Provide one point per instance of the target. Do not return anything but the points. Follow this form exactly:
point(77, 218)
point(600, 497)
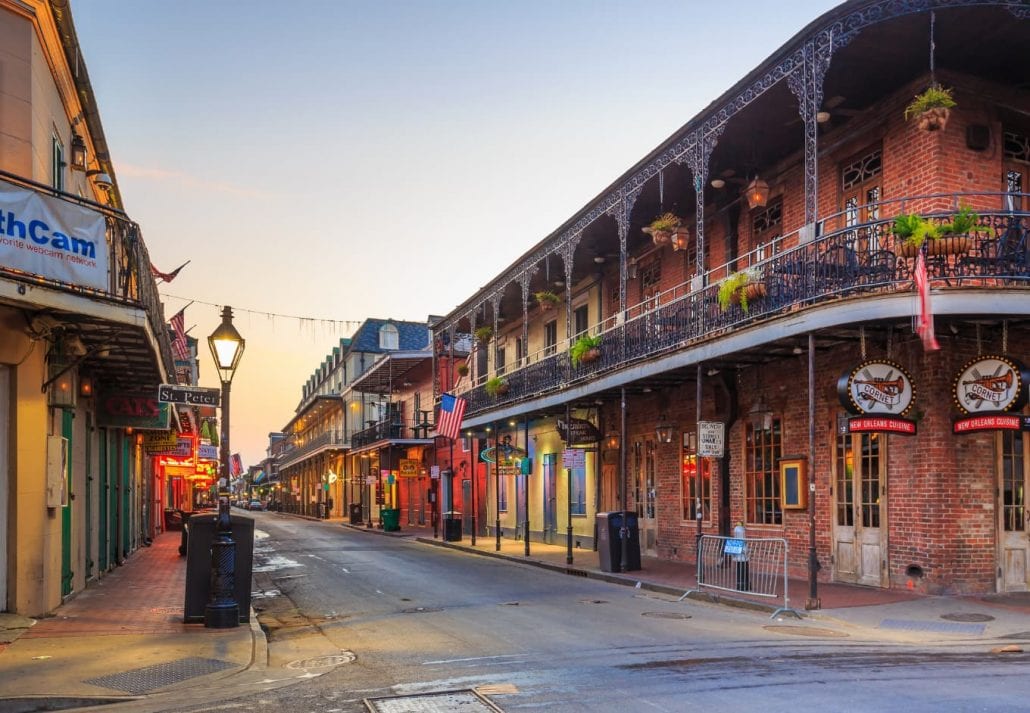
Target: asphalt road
point(389, 618)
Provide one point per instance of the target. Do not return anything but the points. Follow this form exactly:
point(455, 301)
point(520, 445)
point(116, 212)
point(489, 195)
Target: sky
point(324, 162)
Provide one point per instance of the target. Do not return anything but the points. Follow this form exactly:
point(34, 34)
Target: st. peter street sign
point(175, 394)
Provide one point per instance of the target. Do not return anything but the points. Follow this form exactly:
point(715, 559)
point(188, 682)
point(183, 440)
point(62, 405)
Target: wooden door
point(1013, 513)
point(550, 497)
point(646, 496)
point(861, 194)
point(860, 509)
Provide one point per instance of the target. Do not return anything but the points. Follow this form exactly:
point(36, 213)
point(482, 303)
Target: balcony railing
point(394, 429)
point(848, 261)
point(296, 453)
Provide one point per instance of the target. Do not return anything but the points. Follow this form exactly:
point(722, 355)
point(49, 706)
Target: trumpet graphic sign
point(990, 384)
point(876, 388)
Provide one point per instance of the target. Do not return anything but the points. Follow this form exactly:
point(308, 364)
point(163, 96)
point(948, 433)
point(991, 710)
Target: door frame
point(882, 578)
point(1022, 535)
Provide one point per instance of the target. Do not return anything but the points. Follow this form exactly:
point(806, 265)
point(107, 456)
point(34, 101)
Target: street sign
point(176, 394)
point(574, 458)
point(711, 439)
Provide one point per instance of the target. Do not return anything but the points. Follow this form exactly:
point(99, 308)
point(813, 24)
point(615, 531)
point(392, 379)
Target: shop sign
point(187, 425)
point(408, 467)
point(132, 410)
point(507, 470)
point(712, 439)
point(876, 387)
point(574, 458)
point(156, 441)
point(991, 384)
point(991, 422)
point(207, 452)
point(882, 424)
point(578, 431)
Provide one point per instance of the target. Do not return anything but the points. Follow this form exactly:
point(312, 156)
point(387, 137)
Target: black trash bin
point(184, 538)
point(452, 526)
point(201, 528)
point(609, 541)
point(356, 517)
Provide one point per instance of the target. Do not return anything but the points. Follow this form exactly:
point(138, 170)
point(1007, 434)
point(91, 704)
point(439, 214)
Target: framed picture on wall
point(793, 483)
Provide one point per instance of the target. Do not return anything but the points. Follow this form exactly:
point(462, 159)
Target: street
point(402, 618)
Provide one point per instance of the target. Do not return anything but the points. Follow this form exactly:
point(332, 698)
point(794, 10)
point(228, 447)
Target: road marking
point(345, 570)
point(474, 658)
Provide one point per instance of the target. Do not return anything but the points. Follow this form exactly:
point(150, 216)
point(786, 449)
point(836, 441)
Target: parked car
point(255, 505)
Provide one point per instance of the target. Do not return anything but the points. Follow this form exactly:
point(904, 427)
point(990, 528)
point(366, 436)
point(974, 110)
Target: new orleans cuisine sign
point(52, 238)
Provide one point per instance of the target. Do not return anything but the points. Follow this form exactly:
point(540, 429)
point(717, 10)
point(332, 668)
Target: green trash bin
point(391, 518)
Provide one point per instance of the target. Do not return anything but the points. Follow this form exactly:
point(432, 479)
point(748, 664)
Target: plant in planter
point(496, 387)
point(931, 109)
point(740, 288)
point(463, 369)
point(547, 300)
point(911, 231)
point(585, 349)
point(661, 228)
point(953, 238)
point(483, 334)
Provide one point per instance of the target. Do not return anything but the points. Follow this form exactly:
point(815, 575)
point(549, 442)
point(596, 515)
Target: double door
point(860, 509)
point(646, 496)
point(1013, 512)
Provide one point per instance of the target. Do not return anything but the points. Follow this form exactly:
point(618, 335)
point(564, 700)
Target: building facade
point(83, 344)
point(727, 331)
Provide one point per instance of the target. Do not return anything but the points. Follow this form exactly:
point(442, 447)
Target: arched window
point(389, 337)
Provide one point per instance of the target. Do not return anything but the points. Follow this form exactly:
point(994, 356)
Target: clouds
point(188, 182)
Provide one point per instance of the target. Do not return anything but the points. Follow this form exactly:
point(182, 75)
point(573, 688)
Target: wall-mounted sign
point(991, 384)
point(187, 423)
point(407, 467)
point(574, 458)
point(876, 387)
point(175, 394)
point(207, 452)
point(578, 432)
point(156, 441)
point(712, 442)
point(130, 410)
point(881, 424)
point(991, 422)
point(183, 448)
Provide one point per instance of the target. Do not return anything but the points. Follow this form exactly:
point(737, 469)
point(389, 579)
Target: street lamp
point(222, 610)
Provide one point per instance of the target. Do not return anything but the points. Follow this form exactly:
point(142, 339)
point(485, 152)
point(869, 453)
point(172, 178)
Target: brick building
point(783, 307)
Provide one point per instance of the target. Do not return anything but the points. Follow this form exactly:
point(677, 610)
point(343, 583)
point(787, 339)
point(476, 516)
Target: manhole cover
point(323, 661)
point(967, 616)
point(593, 601)
point(441, 702)
point(420, 610)
point(666, 614)
point(805, 631)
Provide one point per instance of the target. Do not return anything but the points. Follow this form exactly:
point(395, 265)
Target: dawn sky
point(344, 160)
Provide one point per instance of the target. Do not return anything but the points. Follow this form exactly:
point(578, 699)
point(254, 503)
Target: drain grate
point(665, 614)
point(941, 627)
point(440, 702)
point(967, 616)
point(150, 678)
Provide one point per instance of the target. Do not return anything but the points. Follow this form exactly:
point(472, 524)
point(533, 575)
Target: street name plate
point(176, 394)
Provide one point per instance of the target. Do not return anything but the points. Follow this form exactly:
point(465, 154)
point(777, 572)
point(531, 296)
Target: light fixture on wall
point(760, 415)
point(86, 386)
point(680, 238)
point(612, 441)
point(61, 385)
point(78, 154)
point(664, 430)
point(757, 193)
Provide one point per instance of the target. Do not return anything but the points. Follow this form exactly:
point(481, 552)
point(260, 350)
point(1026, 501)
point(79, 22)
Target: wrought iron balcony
point(327, 440)
point(392, 430)
point(851, 261)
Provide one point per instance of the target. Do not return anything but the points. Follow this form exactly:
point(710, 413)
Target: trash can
point(391, 518)
point(201, 529)
point(452, 526)
point(356, 518)
point(609, 541)
point(184, 539)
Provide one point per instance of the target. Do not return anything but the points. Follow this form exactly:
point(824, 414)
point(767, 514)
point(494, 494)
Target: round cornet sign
point(990, 384)
point(877, 387)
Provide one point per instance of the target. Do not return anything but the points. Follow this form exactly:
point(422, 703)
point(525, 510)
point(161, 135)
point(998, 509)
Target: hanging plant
point(496, 387)
point(585, 349)
point(931, 109)
point(740, 288)
point(661, 228)
point(463, 369)
point(547, 300)
point(483, 334)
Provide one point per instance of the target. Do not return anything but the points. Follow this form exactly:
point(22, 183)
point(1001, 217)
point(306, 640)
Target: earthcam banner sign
point(52, 238)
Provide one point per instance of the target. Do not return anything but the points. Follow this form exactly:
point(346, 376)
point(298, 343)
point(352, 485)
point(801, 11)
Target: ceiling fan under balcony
point(833, 111)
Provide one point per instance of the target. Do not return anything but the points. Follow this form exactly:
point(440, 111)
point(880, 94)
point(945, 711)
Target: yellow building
point(83, 343)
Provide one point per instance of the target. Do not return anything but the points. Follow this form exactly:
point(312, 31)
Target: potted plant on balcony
point(931, 109)
point(661, 228)
point(463, 369)
point(496, 386)
point(585, 349)
point(911, 231)
point(953, 238)
point(547, 300)
point(483, 334)
point(742, 287)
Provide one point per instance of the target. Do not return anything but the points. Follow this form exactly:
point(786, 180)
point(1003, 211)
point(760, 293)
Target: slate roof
point(412, 336)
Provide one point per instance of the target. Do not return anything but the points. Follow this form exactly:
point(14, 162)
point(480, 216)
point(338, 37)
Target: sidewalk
point(892, 612)
point(123, 637)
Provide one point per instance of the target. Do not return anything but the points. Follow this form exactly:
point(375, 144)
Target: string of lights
point(335, 324)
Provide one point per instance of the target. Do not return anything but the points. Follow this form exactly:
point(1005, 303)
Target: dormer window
point(389, 337)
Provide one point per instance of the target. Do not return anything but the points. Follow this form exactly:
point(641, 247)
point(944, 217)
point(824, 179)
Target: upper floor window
point(860, 181)
point(1017, 146)
point(520, 351)
point(551, 337)
point(579, 320)
point(501, 360)
point(389, 337)
point(57, 162)
point(766, 227)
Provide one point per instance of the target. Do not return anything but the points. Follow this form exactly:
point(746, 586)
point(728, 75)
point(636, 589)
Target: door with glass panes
point(646, 495)
point(860, 509)
point(1013, 512)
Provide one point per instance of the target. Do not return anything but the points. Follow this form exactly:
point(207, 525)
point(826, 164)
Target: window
point(57, 163)
point(389, 337)
point(520, 351)
point(766, 227)
point(502, 490)
point(650, 282)
point(861, 195)
point(579, 491)
point(762, 474)
point(579, 320)
point(1017, 156)
point(499, 367)
point(697, 482)
point(551, 337)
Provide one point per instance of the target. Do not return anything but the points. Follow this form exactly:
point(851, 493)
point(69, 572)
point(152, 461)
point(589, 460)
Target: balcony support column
point(806, 83)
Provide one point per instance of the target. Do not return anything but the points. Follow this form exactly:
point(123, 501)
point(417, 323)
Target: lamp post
point(222, 610)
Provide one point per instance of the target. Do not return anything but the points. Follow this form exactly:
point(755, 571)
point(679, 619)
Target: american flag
point(924, 322)
point(452, 410)
point(236, 465)
point(166, 276)
point(179, 345)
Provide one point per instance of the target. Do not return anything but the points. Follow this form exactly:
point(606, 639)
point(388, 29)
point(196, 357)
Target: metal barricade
point(744, 565)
